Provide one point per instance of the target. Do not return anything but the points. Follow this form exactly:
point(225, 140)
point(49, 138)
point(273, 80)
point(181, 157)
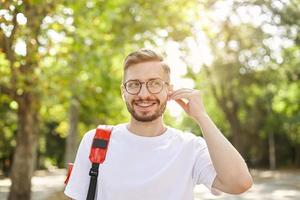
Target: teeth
point(145, 104)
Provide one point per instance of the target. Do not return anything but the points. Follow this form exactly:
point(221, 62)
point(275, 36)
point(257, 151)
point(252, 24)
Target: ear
point(170, 91)
point(122, 90)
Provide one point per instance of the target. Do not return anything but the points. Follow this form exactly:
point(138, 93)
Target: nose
point(144, 91)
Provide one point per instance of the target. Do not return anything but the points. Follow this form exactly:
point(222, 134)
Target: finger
point(189, 92)
point(186, 95)
point(186, 91)
point(181, 90)
point(182, 104)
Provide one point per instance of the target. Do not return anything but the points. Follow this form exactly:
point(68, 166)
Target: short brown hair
point(145, 55)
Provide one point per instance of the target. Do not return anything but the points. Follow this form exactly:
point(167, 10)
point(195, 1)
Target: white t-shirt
point(165, 167)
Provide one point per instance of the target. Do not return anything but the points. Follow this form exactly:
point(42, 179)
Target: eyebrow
point(145, 80)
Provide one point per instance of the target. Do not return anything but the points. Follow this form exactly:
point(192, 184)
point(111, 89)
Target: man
point(147, 160)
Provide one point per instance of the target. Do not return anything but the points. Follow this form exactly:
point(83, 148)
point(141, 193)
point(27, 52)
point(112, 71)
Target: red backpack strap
point(100, 144)
point(97, 156)
point(70, 168)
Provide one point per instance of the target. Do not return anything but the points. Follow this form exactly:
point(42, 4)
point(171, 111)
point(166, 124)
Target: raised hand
point(190, 100)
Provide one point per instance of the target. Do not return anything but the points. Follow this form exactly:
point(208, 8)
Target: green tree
point(245, 74)
point(21, 25)
point(74, 52)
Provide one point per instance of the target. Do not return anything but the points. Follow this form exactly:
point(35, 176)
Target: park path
point(268, 185)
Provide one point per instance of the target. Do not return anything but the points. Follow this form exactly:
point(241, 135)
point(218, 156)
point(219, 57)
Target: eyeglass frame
point(146, 84)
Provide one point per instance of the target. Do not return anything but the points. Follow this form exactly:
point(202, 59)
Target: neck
point(147, 129)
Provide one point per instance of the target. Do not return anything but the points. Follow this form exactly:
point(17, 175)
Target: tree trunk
point(71, 144)
point(230, 106)
point(230, 109)
point(272, 155)
point(297, 155)
point(236, 134)
point(25, 151)
point(24, 89)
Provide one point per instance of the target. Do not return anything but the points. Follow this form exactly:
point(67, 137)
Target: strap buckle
point(94, 170)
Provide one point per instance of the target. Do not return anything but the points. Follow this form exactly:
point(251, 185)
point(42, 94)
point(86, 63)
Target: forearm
point(230, 167)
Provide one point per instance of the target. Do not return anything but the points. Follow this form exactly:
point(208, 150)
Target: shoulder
point(87, 139)
point(89, 135)
point(188, 137)
point(184, 135)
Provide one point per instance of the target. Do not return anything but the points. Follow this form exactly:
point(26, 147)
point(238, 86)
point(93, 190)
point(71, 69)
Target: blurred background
point(61, 69)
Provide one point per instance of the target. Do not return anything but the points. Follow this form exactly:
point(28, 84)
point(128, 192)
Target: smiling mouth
point(145, 104)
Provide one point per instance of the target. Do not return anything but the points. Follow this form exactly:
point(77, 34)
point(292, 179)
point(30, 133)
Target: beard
point(144, 116)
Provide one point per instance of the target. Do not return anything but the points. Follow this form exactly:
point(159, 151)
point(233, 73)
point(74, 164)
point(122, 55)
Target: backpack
point(97, 156)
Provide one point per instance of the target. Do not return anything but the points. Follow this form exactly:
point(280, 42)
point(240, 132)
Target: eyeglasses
point(154, 86)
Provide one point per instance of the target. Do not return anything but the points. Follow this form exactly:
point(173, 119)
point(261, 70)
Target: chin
point(144, 118)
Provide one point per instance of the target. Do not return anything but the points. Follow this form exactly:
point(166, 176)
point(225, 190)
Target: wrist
point(202, 117)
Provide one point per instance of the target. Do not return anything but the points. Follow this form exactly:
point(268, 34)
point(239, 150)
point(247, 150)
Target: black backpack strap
point(93, 181)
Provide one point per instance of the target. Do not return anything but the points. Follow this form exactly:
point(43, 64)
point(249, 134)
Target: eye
point(133, 84)
point(155, 83)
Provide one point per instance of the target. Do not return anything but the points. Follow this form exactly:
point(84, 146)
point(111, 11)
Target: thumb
point(182, 104)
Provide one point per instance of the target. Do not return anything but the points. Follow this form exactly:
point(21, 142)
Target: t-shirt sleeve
point(77, 186)
point(203, 169)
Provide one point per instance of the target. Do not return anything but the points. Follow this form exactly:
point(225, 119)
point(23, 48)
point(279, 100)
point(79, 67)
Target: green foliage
point(82, 44)
point(82, 47)
point(8, 128)
point(255, 87)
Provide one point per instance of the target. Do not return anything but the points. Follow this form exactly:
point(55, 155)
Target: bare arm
point(232, 172)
